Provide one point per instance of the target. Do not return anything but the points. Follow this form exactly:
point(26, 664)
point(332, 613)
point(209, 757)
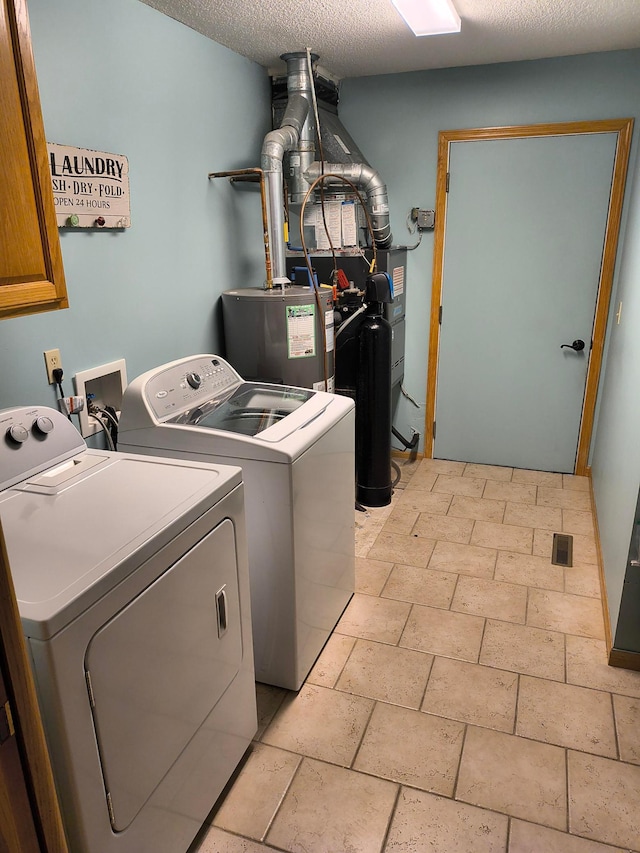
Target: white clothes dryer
point(296, 450)
point(132, 583)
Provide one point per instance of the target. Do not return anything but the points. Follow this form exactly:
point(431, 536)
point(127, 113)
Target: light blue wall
point(616, 450)
point(395, 120)
point(120, 77)
point(411, 109)
point(123, 78)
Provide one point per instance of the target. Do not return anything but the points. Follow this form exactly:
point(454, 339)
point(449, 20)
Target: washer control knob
point(43, 425)
point(17, 434)
point(194, 380)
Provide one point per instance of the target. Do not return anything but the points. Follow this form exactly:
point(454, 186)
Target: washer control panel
point(189, 383)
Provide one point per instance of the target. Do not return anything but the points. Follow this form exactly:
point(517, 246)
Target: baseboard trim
point(603, 589)
point(624, 659)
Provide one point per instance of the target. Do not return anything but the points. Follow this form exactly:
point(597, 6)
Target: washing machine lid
point(199, 406)
point(250, 410)
point(76, 530)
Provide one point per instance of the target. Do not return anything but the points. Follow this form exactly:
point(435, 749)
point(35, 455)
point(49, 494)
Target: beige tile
point(522, 493)
point(604, 799)
point(528, 515)
point(577, 521)
point(463, 559)
point(459, 485)
point(421, 481)
point(584, 547)
point(504, 537)
point(577, 484)
point(387, 673)
point(330, 664)
point(444, 527)
point(488, 472)
point(399, 548)
point(441, 632)
point(471, 693)
point(529, 570)
point(565, 498)
point(422, 501)
point(587, 666)
point(268, 700)
point(411, 747)
point(496, 599)
point(537, 478)
point(371, 575)
point(330, 808)
point(368, 525)
point(250, 805)
point(566, 715)
point(370, 618)
point(627, 711)
point(420, 586)
point(442, 466)
point(408, 468)
point(583, 580)
point(218, 841)
point(481, 509)
point(320, 723)
point(523, 649)
point(425, 821)
point(559, 611)
point(509, 774)
point(364, 539)
point(543, 543)
point(400, 521)
point(532, 838)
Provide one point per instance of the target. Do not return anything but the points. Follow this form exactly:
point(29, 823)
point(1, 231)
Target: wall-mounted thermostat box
point(105, 386)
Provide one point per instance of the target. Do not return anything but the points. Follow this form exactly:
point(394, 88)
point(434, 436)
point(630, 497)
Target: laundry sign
point(90, 188)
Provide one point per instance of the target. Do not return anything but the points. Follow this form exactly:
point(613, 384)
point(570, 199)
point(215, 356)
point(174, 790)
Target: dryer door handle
point(221, 611)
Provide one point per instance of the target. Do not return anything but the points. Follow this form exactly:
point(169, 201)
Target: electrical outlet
point(52, 362)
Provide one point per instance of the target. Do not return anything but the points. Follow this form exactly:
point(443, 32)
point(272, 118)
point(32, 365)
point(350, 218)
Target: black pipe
point(373, 398)
point(408, 445)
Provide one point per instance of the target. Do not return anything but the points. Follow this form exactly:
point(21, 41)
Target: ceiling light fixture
point(429, 17)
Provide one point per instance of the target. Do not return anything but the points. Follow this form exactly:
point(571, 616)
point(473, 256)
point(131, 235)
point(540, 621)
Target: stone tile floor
point(463, 703)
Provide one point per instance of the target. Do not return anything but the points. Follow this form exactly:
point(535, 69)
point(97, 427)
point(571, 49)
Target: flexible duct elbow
point(369, 181)
point(274, 146)
point(286, 137)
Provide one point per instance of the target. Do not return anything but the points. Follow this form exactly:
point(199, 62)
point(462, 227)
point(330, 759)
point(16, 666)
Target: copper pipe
point(238, 174)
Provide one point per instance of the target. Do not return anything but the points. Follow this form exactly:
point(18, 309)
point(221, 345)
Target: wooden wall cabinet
point(31, 272)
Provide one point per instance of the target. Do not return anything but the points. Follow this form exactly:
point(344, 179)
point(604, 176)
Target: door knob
point(578, 345)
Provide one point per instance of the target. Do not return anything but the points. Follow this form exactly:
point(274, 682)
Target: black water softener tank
point(373, 397)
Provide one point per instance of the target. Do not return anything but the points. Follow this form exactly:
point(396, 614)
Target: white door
point(525, 230)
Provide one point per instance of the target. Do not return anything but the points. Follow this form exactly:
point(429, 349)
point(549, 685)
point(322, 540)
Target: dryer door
point(159, 667)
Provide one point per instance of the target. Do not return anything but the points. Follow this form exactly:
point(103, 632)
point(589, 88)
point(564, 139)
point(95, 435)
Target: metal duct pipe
point(299, 83)
point(297, 132)
point(369, 181)
point(273, 148)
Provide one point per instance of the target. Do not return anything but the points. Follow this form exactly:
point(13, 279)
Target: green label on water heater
point(301, 331)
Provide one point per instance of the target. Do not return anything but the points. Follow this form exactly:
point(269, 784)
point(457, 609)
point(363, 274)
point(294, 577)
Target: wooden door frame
point(623, 128)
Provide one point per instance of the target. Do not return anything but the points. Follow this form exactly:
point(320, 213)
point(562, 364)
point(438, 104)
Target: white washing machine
point(132, 584)
point(296, 450)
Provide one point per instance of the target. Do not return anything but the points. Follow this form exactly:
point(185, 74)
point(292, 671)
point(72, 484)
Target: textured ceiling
point(356, 38)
